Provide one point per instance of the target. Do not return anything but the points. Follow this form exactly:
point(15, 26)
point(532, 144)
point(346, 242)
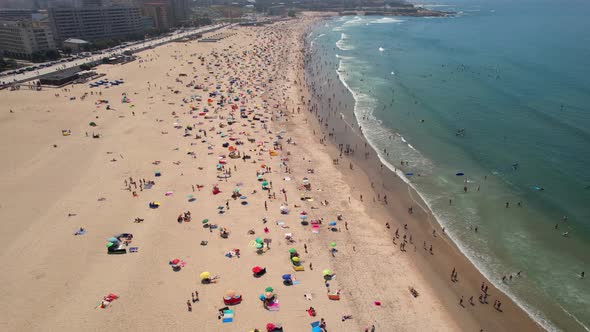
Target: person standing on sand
point(189, 306)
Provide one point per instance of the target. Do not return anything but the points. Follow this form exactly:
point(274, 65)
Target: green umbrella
point(269, 289)
point(333, 244)
point(110, 244)
point(258, 245)
point(327, 272)
point(258, 240)
point(265, 183)
point(292, 250)
point(92, 124)
point(205, 221)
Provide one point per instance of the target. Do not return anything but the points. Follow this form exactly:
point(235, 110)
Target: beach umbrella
point(269, 289)
point(286, 276)
point(230, 293)
point(204, 275)
point(327, 272)
point(270, 326)
point(258, 240)
point(110, 244)
point(295, 259)
point(292, 250)
point(256, 269)
point(175, 261)
point(258, 245)
point(113, 239)
point(205, 221)
point(333, 244)
point(265, 183)
point(92, 124)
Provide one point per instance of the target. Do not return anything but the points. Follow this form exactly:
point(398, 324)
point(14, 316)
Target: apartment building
point(95, 22)
point(20, 39)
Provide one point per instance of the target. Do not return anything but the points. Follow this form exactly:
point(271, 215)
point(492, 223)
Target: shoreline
point(430, 221)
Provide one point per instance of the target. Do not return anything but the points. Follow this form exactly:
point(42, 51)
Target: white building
point(20, 39)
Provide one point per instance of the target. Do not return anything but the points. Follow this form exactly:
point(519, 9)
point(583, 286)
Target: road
point(30, 75)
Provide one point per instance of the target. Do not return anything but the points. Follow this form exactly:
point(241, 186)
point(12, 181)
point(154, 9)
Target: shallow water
point(515, 77)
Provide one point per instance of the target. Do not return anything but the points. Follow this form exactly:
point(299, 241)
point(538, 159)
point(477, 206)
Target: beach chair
point(298, 268)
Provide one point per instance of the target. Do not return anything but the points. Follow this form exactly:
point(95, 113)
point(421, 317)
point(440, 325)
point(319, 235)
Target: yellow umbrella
point(295, 259)
point(205, 275)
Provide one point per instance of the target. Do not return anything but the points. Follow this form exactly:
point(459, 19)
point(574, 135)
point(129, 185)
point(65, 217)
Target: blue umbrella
point(286, 276)
point(113, 239)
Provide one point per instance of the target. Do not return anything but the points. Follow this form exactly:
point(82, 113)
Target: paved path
point(30, 75)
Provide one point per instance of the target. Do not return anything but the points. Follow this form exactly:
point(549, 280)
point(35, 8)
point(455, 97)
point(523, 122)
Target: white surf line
point(574, 317)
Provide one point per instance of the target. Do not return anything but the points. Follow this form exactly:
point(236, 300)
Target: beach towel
point(228, 316)
point(315, 327)
point(274, 306)
point(133, 249)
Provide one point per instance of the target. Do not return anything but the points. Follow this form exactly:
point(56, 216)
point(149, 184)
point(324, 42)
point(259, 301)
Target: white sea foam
point(343, 44)
point(386, 20)
point(357, 20)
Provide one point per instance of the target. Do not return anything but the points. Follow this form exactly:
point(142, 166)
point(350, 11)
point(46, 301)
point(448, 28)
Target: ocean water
point(515, 76)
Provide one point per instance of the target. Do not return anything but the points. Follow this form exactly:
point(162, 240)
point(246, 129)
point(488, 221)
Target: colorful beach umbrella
point(295, 259)
point(269, 289)
point(204, 275)
point(286, 276)
point(110, 244)
point(332, 244)
point(327, 272)
point(256, 269)
point(205, 221)
point(292, 250)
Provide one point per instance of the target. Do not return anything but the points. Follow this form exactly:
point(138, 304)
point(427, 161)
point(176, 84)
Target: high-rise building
point(16, 14)
point(94, 23)
point(166, 13)
point(159, 13)
point(21, 39)
point(180, 11)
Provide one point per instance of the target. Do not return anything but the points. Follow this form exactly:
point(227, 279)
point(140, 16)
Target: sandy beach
point(225, 131)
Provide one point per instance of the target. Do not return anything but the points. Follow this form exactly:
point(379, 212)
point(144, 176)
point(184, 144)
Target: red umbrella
point(256, 269)
point(270, 326)
point(175, 261)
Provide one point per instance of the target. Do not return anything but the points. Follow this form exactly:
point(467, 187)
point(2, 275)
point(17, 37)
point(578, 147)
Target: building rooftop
point(75, 41)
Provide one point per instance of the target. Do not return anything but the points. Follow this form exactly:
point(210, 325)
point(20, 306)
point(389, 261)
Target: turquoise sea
point(501, 93)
